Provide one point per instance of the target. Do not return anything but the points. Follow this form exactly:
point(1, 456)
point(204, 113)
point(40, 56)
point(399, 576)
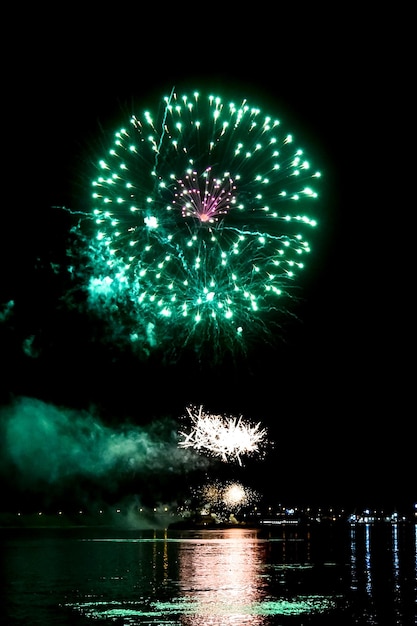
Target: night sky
point(335, 389)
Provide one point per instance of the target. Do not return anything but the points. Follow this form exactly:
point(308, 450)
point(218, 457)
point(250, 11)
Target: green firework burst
point(202, 217)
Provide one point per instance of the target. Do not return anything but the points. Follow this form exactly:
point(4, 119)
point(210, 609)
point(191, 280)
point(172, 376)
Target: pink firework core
point(205, 198)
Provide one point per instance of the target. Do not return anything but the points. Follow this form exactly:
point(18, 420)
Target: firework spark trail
point(225, 437)
point(200, 221)
point(168, 104)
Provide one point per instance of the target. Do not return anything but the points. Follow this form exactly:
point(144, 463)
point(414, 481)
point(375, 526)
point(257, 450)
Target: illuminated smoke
point(51, 450)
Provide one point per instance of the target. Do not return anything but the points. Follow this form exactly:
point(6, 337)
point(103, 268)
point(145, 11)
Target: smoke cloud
point(50, 447)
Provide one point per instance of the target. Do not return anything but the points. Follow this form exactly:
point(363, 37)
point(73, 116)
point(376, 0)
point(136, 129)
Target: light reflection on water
point(223, 579)
point(226, 582)
point(380, 567)
point(358, 575)
point(415, 573)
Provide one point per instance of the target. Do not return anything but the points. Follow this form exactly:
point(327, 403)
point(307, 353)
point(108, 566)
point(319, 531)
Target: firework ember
point(224, 498)
point(222, 436)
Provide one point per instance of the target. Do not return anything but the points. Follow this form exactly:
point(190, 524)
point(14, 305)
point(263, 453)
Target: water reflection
point(233, 578)
point(211, 578)
point(379, 562)
point(415, 572)
point(396, 572)
point(224, 579)
point(368, 561)
point(353, 559)
point(337, 575)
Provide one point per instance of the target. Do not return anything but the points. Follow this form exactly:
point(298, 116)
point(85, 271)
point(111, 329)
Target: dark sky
point(336, 392)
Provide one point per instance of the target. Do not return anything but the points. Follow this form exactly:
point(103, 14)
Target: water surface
point(323, 575)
